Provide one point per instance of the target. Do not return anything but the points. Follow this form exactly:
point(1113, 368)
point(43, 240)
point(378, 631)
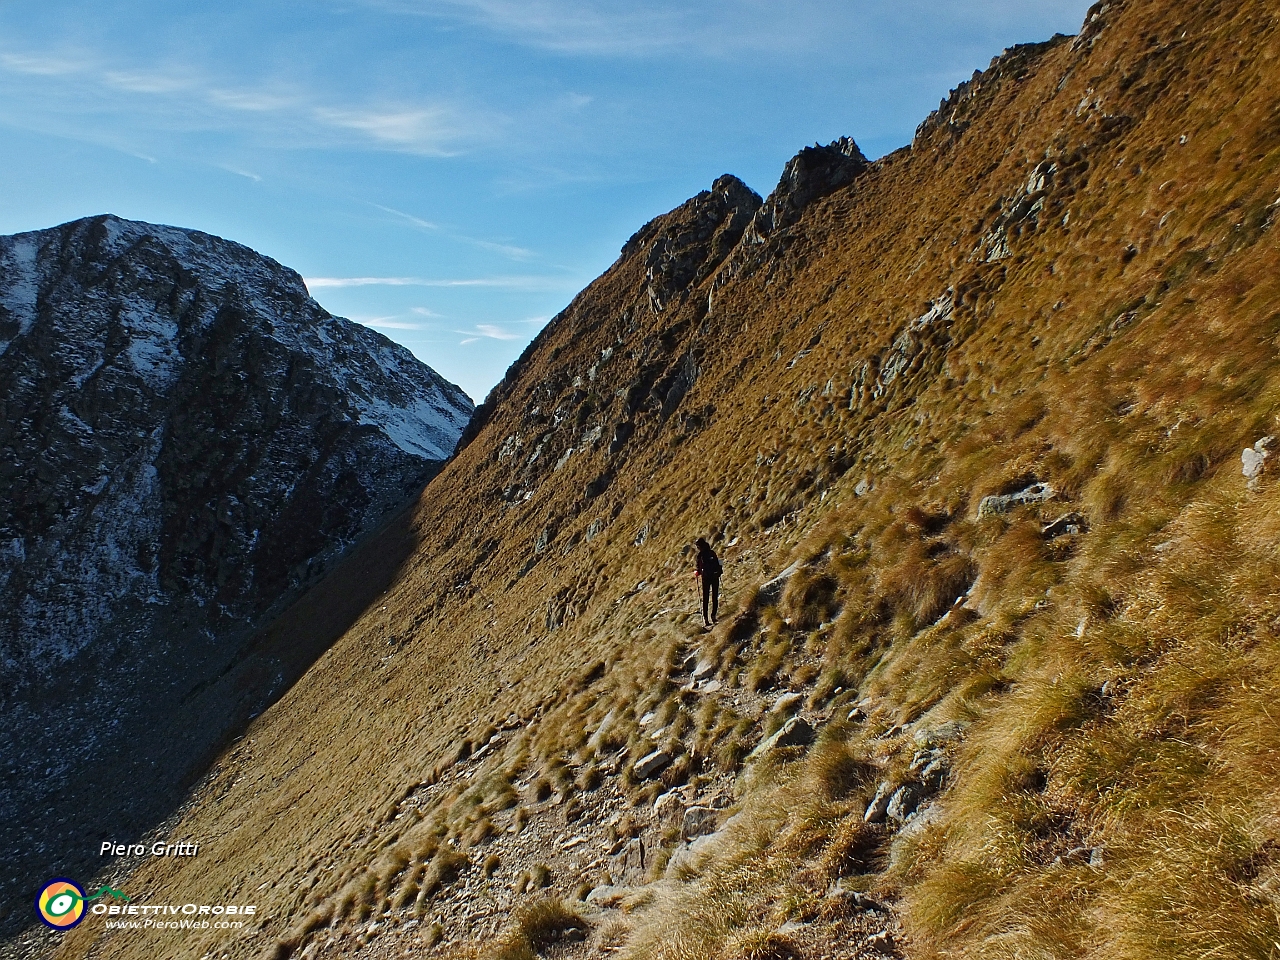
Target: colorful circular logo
point(60, 903)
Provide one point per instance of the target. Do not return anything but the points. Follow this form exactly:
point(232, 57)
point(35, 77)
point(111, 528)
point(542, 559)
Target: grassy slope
point(1125, 358)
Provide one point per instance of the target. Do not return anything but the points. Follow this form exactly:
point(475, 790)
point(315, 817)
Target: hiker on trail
point(708, 569)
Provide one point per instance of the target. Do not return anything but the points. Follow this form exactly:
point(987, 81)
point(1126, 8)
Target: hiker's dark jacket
point(708, 564)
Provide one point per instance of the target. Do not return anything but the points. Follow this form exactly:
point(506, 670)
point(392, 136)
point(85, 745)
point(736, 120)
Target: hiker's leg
point(715, 599)
point(706, 596)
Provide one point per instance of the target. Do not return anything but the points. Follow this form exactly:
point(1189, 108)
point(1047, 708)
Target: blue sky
point(452, 172)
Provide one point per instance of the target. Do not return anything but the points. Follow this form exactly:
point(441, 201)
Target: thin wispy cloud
point(510, 251)
point(545, 176)
point(419, 130)
point(507, 283)
point(168, 99)
point(506, 249)
point(389, 324)
point(248, 175)
point(572, 26)
point(488, 331)
point(147, 81)
point(252, 101)
point(610, 28)
point(407, 217)
point(494, 332)
point(724, 30)
point(316, 283)
point(41, 65)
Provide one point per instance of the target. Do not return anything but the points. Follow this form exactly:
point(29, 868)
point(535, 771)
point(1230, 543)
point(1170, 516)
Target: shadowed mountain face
point(186, 434)
point(188, 440)
point(999, 618)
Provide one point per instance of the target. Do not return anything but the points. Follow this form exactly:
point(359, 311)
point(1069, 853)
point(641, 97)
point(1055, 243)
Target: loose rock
point(628, 865)
point(933, 776)
point(607, 896)
point(652, 764)
point(903, 803)
point(1067, 524)
point(879, 803)
point(1254, 459)
point(771, 590)
point(785, 702)
point(698, 822)
point(796, 732)
point(1003, 503)
point(947, 732)
point(881, 942)
point(669, 804)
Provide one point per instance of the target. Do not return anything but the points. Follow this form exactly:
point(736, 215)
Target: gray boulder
point(879, 804)
point(786, 702)
point(652, 764)
point(607, 896)
point(628, 864)
point(771, 590)
point(1003, 503)
point(669, 806)
point(796, 732)
point(698, 822)
point(1253, 460)
point(687, 856)
point(903, 803)
point(1066, 525)
point(933, 776)
point(948, 732)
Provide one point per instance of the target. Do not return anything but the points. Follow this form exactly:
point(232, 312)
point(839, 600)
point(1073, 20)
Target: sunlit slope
point(1068, 280)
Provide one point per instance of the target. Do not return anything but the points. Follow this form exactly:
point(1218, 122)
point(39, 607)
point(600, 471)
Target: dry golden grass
point(537, 925)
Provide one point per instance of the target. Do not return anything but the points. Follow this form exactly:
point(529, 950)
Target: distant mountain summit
point(187, 436)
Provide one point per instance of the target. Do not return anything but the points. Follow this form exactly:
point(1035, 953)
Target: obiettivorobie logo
point(60, 902)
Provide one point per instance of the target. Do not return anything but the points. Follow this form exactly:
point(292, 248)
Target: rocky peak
point(811, 174)
point(685, 246)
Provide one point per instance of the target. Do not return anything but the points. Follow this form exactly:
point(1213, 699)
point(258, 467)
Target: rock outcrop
point(813, 173)
point(695, 238)
point(810, 175)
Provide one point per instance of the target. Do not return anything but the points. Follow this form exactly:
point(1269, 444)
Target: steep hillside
point(188, 441)
point(999, 648)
